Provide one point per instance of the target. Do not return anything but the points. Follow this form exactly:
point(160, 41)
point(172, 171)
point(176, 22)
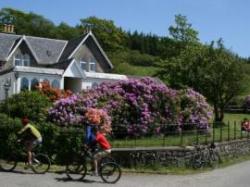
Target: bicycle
point(208, 156)
point(80, 164)
point(40, 162)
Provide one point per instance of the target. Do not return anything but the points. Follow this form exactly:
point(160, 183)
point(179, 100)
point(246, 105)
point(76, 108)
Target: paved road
point(233, 176)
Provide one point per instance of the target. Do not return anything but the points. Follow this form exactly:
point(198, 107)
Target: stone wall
point(174, 156)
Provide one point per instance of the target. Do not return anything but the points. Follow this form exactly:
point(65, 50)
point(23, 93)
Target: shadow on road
point(20, 172)
point(66, 179)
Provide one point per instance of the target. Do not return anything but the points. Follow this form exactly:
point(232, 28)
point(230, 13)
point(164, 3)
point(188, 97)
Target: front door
point(73, 84)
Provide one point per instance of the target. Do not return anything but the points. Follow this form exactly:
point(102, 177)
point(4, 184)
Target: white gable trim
point(98, 45)
point(79, 70)
point(29, 46)
point(62, 51)
point(79, 45)
point(18, 44)
point(102, 52)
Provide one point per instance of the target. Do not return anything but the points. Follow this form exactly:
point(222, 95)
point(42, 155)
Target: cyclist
point(90, 139)
point(104, 145)
point(31, 139)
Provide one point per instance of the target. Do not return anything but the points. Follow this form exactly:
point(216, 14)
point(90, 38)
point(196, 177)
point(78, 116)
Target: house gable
point(74, 70)
point(21, 41)
point(90, 52)
point(20, 48)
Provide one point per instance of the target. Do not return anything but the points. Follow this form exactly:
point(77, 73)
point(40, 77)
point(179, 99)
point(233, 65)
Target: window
point(55, 84)
point(22, 60)
point(18, 60)
point(92, 66)
point(83, 65)
point(24, 84)
point(34, 84)
point(26, 60)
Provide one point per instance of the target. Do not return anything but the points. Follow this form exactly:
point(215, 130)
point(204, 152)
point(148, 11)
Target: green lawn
point(231, 130)
point(235, 117)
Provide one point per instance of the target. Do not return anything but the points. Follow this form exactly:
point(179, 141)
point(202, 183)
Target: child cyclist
point(98, 124)
point(31, 139)
point(105, 147)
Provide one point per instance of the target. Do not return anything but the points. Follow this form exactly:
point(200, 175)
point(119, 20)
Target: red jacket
point(102, 141)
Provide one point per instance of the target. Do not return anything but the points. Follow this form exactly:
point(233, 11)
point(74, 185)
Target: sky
point(213, 19)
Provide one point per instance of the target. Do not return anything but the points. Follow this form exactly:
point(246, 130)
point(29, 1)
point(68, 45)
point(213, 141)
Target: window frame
point(85, 64)
point(26, 58)
point(22, 84)
point(23, 60)
point(91, 65)
point(32, 86)
point(18, 57)
point(55, 81)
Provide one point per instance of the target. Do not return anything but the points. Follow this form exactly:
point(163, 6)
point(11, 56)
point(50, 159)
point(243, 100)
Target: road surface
point(233, 176)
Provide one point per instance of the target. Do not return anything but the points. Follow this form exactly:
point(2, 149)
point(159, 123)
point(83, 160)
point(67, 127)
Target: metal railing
point(170, 136)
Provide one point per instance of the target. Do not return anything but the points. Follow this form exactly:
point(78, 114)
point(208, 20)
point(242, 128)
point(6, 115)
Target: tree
point(66, 32)
point(224, 78)
point(110, 36)
point(29, 23)
point(213, 71)
point(183, 30)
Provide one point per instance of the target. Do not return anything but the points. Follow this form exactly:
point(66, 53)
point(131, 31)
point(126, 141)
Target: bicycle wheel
point(41, 163)
point(196, 161)
point(76, 170)
point(214, 159)
point(110, 172)
point(8, 164)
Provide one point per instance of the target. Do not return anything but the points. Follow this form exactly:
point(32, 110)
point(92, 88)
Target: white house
point(76, 64)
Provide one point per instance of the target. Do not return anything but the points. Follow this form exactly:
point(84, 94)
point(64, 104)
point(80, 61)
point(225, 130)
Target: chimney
point(8, 28)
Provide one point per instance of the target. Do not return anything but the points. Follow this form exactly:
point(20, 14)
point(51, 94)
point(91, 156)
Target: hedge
point(58, 142)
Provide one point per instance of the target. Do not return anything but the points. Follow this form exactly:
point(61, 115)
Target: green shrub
point(58, 143)
point(31, 104)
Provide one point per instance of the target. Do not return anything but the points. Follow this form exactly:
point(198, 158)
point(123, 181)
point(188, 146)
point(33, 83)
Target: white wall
point(3, 78)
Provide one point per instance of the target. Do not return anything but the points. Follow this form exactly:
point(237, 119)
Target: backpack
point(90, 138)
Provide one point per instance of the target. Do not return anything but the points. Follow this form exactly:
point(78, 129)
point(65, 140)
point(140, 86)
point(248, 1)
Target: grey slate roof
point(72, 44)
point(46, 50)
point(61, 65)
point(50, 52)
point(7, 42)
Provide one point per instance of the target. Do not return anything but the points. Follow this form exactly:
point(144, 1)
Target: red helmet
point(25, 120)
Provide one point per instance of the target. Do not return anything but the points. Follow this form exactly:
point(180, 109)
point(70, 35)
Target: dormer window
point(22, 60)
point(26, 60)
point(84, 65)
point(18, 60)
point(92, 66)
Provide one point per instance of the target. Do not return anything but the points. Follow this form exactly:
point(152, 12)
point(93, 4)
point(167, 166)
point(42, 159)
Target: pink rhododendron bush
point(194, 110)
point(136, 106)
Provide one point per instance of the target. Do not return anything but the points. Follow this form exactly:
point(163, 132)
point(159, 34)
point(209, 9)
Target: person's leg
point(95, 162)
point(95, 166)
point(29, 151)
